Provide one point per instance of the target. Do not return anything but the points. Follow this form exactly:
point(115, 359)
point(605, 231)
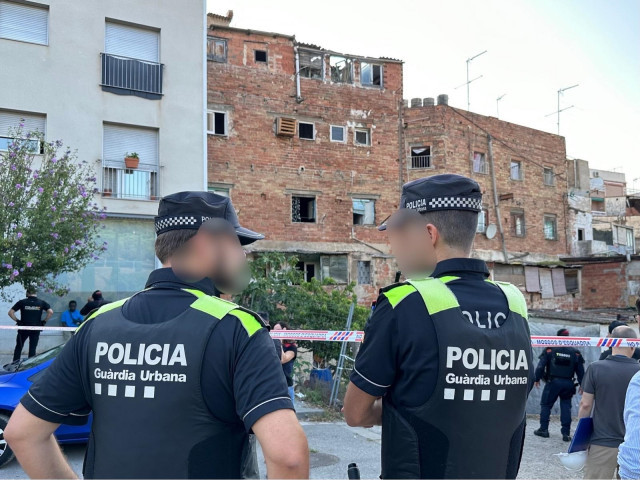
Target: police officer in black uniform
point(31, 309)
point(176, 378)
point(557, 367)
point(445, 365)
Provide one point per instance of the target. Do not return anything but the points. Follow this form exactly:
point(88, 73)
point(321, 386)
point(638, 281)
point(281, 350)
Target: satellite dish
point(491, 231)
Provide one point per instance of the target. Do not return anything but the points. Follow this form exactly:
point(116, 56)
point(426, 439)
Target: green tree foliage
point(49, 222)
point(278, 289)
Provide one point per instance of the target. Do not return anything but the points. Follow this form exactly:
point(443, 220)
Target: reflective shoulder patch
point(213, 306)
point(515, 298)
point(250, 323)
point(436, 295)
point(396, 293)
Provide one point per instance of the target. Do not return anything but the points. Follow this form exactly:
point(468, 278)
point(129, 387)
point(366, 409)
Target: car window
point(40, 359)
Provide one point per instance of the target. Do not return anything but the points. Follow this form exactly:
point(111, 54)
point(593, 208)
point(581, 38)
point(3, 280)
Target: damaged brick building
point(306, 143)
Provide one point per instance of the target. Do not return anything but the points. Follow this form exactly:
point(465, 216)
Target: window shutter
point(11, 120)
point(119, 140)
point(22, 22)
point(132, 42)
point(286, 127)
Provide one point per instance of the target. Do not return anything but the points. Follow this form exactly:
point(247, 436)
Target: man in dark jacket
point(613, 325)
point(95, 301)
point(30, 309)
point(557, 367)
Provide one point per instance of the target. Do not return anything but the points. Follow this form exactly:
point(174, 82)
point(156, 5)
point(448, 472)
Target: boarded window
point(364, 273)
point(335, 267)
point(217, 49)
point(532, 279)
point(557, 278)
point(546, 284)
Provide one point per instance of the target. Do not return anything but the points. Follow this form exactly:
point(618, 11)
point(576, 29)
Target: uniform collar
point(166, 278)
point(461, 267)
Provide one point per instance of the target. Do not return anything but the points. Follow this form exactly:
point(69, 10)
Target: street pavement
point(334, 445)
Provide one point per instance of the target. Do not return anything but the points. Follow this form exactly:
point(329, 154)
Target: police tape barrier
point(357, 336)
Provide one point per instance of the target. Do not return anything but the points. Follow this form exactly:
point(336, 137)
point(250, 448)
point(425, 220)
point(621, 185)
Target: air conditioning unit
point(286, 127)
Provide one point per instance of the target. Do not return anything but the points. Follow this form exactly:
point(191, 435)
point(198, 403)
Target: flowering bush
point(49, 221)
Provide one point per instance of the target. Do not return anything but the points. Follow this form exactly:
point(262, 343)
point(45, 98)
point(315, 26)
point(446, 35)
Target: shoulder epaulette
point(397, 292)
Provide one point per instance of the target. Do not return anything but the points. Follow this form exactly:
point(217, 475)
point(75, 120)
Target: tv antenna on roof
point(498, 104)
point(557, 112)
point(472, 80)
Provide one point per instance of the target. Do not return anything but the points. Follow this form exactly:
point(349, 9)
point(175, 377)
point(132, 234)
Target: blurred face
point(277, 326)
point(412, 243)
point(72, 307)
point(218, 256)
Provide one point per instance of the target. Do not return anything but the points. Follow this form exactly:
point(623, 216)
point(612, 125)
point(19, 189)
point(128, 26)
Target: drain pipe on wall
point(495, 198)
point(298, 94)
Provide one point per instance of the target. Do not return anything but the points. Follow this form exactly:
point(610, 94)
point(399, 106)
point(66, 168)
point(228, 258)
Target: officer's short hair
point(457, 227)
point(31, 290)
point(168, 243)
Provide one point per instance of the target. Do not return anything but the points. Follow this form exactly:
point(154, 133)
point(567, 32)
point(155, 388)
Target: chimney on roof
point(443, 99)
point(219, 20)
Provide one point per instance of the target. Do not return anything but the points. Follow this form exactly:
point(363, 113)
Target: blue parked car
point(15, 380)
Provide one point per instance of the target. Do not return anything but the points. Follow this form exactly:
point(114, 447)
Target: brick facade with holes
point(457, 142)
point(266, 174)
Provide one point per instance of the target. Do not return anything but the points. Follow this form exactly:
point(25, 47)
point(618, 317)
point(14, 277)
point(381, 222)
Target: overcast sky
point(534, 48)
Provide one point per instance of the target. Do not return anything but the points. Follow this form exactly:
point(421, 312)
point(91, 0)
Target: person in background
point(95, 301)
point(629, 450)
point(277, 343)
point(30, 309)
point(618, 323)
point(70, 318)
point(288, 358)
point(558, 366)
point(605, 384)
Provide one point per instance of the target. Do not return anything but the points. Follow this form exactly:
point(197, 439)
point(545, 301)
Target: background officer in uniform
point(445, 366)
point(557, 367)
point(612, 326)
point(30, 309)
point(176, 378)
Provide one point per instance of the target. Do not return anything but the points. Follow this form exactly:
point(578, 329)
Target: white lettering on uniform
point(453, 354)
point(488, 359)
point(101, 350)
point(111, 355)
point(153, 354)
point(147, 356)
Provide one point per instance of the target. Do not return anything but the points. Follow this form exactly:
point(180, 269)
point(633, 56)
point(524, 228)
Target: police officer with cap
point(557, 367)
point(176, 378)
point(445, 366)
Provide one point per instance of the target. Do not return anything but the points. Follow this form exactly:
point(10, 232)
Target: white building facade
point(110, 78)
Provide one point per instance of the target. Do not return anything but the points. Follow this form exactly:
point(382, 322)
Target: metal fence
point(421, 161)
point(131, 74)
point(120, 182)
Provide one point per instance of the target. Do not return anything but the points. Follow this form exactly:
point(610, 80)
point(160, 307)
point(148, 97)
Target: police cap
point(439, 192)
point(189, 210)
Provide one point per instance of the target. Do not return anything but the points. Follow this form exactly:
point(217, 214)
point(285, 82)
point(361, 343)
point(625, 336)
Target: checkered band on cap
point(176, 222)
point(454, 203)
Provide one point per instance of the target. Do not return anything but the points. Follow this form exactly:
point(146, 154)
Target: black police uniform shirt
point(31, 309)
point(241, 379)
point(402, 353)
point(570, 364)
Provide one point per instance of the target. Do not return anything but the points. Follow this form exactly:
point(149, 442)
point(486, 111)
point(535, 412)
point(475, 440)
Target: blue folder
point(582, 435)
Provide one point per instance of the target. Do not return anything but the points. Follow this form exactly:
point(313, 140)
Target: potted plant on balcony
point(131, 160)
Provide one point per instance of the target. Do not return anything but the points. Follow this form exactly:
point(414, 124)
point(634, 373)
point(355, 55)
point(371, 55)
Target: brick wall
point(454, 136)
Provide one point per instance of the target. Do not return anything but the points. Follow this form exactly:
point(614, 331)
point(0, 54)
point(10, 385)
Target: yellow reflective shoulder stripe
point(219, 308)
point(436, 295)
point(448, 279)
point(249, 322)
point(397, 294)
point(517, 303)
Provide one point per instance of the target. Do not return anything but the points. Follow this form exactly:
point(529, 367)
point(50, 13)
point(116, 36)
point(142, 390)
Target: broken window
point(341, 69)
point(580, 234)
point(571, 281)
point(335, 267)
point(337, 133)
point(480, 164)
point(303, 209)
point(364, 272)
point(311, 64)
point(370, 74)
point(260, 56)
point(421, 157)
point(516, 170)
point(550, 227)
point(483, 221)
point(364, 211)
point(517, 220)
point(306, 131)
point(217, 123)
point(308, 270)
point(362, 136)
point(548, 177)
point(217, 49)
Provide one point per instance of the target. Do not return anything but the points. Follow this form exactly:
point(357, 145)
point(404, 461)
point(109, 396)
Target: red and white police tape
point(357, 336)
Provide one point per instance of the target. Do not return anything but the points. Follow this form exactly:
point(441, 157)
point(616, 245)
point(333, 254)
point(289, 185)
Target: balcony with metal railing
point(420, 161)
point(141, 183)
point(131, 76)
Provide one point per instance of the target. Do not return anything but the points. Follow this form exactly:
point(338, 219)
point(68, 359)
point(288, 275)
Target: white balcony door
point(132, 42)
